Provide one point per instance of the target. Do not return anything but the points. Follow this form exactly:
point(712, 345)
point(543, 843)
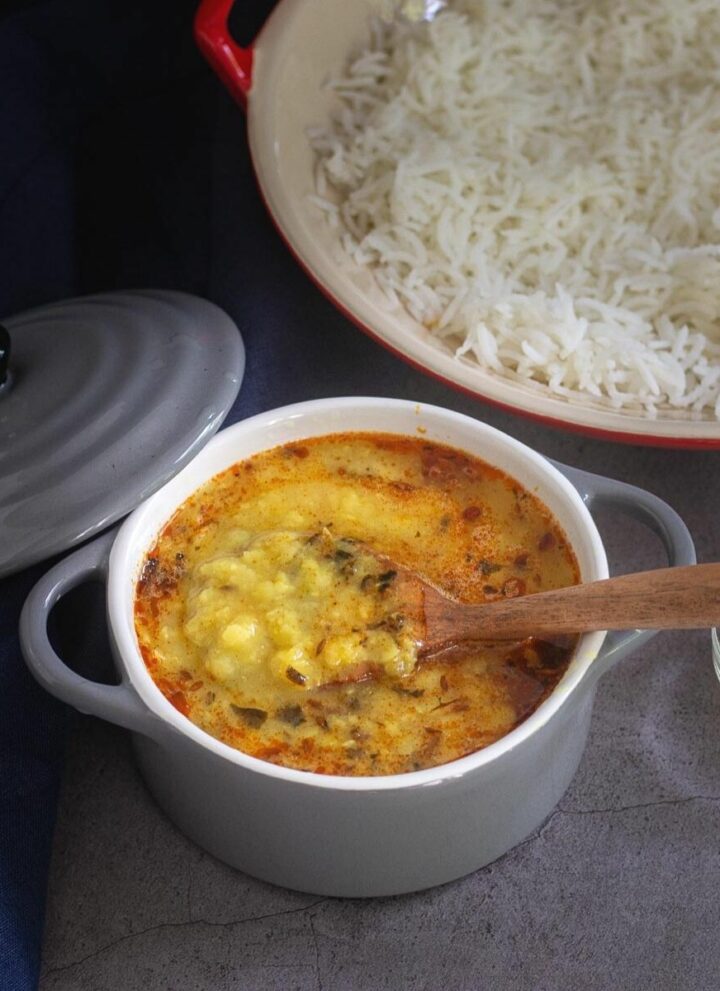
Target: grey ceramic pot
point(334, 835)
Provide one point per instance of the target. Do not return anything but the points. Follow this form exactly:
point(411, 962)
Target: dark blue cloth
point(106, 113)
point(32, 728)
point(125, 165)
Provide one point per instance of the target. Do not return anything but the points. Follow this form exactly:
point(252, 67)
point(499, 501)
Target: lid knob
point(4, 354)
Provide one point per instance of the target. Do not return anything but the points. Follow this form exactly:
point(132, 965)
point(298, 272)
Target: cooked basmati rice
point(538, 182)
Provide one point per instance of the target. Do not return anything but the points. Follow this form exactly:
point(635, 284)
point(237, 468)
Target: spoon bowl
point(664, 599)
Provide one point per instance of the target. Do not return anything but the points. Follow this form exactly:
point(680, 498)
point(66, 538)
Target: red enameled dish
point(278, 81)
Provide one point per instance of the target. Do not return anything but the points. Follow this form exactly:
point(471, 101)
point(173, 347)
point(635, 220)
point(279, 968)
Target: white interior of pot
point(301, 46)
point(317, 418)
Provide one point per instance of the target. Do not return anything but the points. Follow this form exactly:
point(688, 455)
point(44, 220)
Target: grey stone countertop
point(618, 888)
point(617, 891)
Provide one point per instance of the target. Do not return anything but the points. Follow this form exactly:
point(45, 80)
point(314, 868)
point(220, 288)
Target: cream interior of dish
point(263, 605)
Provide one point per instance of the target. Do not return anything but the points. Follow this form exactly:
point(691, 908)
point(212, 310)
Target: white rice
point(538, 182)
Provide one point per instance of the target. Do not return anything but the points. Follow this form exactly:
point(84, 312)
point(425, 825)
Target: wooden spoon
point(669, 598)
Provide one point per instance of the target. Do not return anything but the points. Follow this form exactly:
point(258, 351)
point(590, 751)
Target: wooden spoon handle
point(669, 598)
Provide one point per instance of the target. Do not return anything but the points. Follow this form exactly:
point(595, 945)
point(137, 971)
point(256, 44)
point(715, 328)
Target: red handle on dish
point(232, 63)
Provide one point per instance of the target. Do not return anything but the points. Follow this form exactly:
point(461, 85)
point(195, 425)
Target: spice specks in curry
point(264, 616)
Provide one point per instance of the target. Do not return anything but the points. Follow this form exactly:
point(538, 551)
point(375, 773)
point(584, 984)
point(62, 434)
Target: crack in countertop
point(609, 810)
point(317, 951)
point(638, 805)
point(179, 925)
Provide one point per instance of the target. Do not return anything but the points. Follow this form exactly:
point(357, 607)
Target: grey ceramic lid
point(107, 398)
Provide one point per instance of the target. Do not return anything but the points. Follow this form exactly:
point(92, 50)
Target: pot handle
point(119, 704)
point(598, 491)
point(232, 63)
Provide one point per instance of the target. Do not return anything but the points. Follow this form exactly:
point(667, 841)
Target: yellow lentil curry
point(264, 615)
